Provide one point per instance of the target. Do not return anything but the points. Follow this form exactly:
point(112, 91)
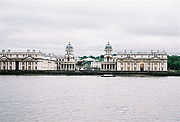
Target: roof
point(69, 46)
point(108, 46)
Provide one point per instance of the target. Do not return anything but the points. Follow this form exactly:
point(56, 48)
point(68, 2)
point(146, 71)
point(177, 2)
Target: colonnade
point(18, 65)
point(66, 67)
point(108, 67)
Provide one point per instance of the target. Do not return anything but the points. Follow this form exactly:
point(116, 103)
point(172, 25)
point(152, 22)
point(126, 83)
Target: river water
point(89, 99)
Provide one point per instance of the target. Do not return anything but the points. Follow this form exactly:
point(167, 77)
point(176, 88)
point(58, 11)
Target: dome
point(108, 46)
point(69, 46)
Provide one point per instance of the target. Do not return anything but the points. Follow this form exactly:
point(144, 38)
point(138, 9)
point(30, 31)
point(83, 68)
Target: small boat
point(108, 75)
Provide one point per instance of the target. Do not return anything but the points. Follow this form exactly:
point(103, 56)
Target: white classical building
point(142, 61)
point(67, 62)
point(131, 61)
point(96, 64)
point(109, 63)
point(122, 61)
point(29, 60)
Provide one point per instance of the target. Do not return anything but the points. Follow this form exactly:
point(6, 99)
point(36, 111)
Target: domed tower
point(109, 63)
point(108, 54)
point(67, 63)
point(69, 49)
point(69, 56)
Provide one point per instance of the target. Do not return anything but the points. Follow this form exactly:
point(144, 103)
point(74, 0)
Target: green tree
point(174, 62)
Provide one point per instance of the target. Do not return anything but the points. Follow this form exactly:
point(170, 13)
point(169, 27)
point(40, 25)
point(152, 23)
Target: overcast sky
point(48, 25)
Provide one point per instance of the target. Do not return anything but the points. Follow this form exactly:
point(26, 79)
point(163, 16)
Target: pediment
point(4, 58)
point(155, 58)
point(29, 58)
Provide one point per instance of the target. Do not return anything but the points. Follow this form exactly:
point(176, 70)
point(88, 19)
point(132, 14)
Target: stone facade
point(150, 61)
point(122, 61)
point(26, 61)
point(131, 61)
point(96, 64)
point(109, 63)
point(67, 62)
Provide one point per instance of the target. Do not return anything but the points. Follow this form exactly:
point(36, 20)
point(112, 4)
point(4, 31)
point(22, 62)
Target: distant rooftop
point(150, 52)
point(20, 52)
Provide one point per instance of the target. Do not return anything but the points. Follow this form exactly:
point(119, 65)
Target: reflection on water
point(89, 99)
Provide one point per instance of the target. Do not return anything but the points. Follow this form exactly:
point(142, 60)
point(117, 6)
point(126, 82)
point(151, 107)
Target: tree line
point(174, 62)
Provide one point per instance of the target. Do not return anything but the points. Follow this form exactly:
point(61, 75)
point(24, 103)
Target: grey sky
point(49, 25)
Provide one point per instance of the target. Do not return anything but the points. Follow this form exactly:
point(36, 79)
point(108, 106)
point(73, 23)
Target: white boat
point(108, 75)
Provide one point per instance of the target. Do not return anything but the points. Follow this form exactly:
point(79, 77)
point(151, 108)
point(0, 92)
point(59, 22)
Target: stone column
point(20, 65)
point(6, 67)
point(8, 63)
point(24, 65)
point(32, 65)
point(151, 66)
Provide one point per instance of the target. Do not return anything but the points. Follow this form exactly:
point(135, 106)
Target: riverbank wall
point(117, 73)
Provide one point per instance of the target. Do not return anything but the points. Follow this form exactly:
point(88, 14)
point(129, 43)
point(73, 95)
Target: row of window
point(18, 55)
point(68, 59)
point(3, 63)
point(23, 68)
point(111, 66)
point(149, 63)
point(138, 55)
point(142, 69)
